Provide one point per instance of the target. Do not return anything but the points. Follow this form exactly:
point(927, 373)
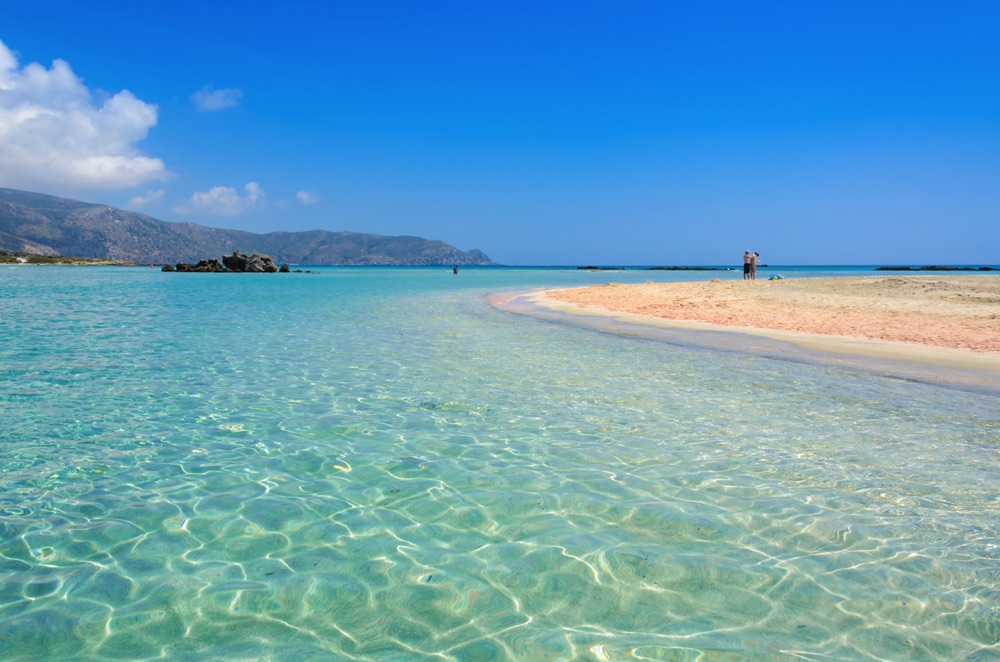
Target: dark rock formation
point(236, 263)
point(213, 266)
point(241, 263)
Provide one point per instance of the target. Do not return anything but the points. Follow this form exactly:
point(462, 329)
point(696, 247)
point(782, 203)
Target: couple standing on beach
point(750, 263)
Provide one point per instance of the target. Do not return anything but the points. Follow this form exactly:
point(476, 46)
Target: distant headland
point(50, 226)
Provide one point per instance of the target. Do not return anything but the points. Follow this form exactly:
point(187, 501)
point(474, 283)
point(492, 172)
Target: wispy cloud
point(208, 99)
point(53, 135)
point(307, 197)
point(222, 201)
point(150, 199)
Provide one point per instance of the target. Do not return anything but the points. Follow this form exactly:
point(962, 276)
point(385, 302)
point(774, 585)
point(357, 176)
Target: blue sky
point(627, 132)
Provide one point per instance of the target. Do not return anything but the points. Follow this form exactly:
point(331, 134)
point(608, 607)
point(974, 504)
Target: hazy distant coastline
point(47, 225)
point(17, 257)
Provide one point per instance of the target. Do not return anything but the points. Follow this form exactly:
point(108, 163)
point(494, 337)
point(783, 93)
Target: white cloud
point(222, 201)
point(52, 135)
point(208, 99)
point(307, 197)
point(151, 198)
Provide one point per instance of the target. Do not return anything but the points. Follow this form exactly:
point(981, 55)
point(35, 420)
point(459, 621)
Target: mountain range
point(48, 225)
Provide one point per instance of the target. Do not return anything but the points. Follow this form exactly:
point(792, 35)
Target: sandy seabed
point(960, 313)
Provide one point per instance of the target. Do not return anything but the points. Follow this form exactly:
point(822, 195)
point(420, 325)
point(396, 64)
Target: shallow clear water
point(378, 464)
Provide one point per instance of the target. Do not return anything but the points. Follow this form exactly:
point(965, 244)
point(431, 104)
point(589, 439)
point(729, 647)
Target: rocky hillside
point(47, 225)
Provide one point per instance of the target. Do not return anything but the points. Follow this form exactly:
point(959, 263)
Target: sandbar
point(945, 320)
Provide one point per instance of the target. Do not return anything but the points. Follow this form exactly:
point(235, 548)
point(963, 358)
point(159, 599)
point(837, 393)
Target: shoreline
point(946, 312)
point(76, 264)
point(681, 313)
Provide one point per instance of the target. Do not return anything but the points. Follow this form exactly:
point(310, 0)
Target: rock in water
point(262, 263)
point(255, 263)
point(211, 265)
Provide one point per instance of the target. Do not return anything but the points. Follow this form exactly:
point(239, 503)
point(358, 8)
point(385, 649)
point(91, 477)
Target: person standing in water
point(454, 270)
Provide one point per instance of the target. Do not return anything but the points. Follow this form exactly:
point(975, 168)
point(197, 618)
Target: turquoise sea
point(380, 464)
